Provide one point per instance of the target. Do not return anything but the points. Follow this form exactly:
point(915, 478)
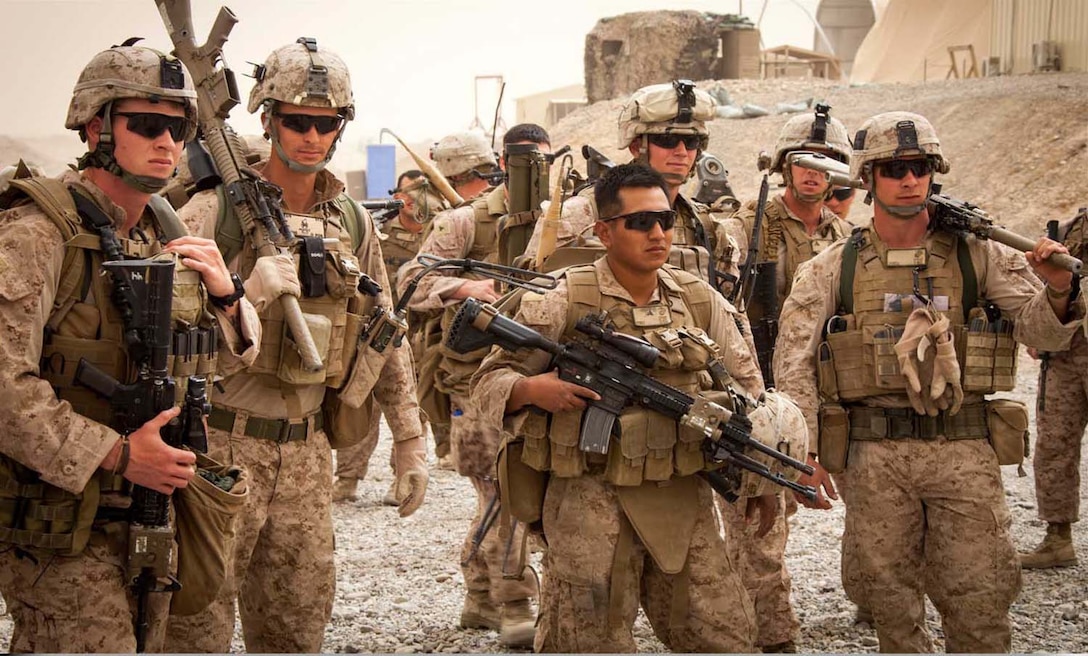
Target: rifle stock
point(217, 94)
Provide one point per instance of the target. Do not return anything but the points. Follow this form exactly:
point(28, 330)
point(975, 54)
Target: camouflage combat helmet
point(127, 71)
point(676, 107)
point(779, 424)
point(461, 152)
point(895, 135)
point(302, 74)
point(820, 131)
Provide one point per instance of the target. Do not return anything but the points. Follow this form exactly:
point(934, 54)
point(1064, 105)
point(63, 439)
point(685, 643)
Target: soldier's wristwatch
point(224, 302)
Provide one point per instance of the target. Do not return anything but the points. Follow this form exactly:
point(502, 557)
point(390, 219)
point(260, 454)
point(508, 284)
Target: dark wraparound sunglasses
point(644, 221)
point(302, 123)
point(150, 126)
point(690, 141)
point(898, 168)
point(842, 193)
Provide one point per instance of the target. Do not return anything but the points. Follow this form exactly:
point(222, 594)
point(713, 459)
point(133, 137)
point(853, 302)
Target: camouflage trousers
point(77, 603)
point(761, 563)
point(929, 517)
point(483, 571)
point(849, 555)
point(703, 609)
point(283, 573)
point(354, 461)
point(1060, 429)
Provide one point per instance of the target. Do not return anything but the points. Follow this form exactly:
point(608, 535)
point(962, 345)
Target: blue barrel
point(381, 170)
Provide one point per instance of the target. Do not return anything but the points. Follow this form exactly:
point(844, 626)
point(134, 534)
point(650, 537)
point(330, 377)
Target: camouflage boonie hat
point(806, 133)
point(461, 152)
point(302, 74)
point(676, 107)
point(130, 71)
point(895, 135)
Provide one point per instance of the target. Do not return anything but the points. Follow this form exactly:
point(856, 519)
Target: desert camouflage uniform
point(1061, 426)
point(583, 520)
point(925, 516)
point(283, 572)
point(76, 603)
point(399, 246)
point(580, 213)
point(474, 442)
point(762, 560)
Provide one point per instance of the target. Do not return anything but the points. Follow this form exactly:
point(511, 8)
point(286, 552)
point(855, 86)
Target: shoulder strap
point(695, 294)
point(849, 266)
point(353, 219)
point(967, 270)
point(228, 229)
point(169, 224)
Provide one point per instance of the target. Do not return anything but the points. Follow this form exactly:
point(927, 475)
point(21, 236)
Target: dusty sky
point(412, 61)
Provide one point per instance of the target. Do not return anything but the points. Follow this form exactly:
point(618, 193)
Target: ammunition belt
point(871, 424)
point(280, 431)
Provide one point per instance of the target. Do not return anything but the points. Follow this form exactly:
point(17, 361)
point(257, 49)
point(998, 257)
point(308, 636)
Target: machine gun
point(961, 216)
point(383, 210)
point(143, 292)
point(255, 202)
point(614, 366)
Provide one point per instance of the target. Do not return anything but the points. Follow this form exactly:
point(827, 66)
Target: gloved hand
point(272, 277)
point(945, 390)
point(410, 463)
point(907, 350)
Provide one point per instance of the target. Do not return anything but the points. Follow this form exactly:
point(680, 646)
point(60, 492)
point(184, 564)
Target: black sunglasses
point(842, 193)
point(150, 126)
point(644, 221)
point(690, 141)
point(302, 123)
point(898, 168)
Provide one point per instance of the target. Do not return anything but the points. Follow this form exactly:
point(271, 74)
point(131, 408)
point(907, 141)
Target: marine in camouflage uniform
point(610, 547)
point(925, 505)
point(663, 126)
point(400, 239)
point(471, 231)
point(269, 417)
point(66, 474)
point(1062, 414)
point(795, 226)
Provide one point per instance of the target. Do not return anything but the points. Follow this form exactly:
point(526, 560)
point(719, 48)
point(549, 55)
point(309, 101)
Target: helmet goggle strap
point(102, 158)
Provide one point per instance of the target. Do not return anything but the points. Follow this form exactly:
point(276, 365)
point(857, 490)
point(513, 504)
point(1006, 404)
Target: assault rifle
point(382, 210)
point(256, 201)
point(961, 216)
point(143, 293)
point(614, 366)
point(742, 292)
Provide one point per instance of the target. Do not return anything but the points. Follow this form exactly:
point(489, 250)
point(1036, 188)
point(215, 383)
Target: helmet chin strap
point(899, 211)
point(102, 158)
point(787, 176)
point(298, 167)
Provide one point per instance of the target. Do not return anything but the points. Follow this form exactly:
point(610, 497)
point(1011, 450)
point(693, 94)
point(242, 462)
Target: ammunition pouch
point(432, 401)
point(205, 517)
point(521, 487)
point(987, 353)
point(1007, 421)
point(37, 515)
point(345, 426)
point(834, 448)
point(372, 349)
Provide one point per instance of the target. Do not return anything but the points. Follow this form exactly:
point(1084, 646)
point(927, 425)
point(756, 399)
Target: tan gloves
point(410, 463)
point(906, 350)
point(272, 277)
point(945, 392)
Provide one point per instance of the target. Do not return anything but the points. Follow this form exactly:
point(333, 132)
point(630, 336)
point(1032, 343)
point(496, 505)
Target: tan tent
point(910, 40)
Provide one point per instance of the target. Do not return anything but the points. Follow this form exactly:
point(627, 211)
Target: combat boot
point(864, 615)
point(479, 613)
point(518, 624)
point(446, 463)
point(787, 647)
point(1056, 549)
point(390, 497)
point(344, 490)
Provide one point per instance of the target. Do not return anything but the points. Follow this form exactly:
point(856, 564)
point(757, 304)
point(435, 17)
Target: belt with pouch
point(280, 431)
point(872, 424)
